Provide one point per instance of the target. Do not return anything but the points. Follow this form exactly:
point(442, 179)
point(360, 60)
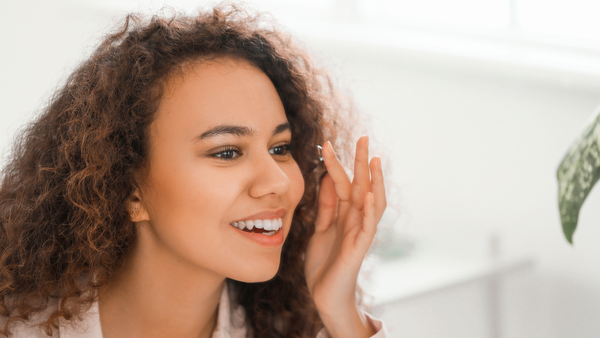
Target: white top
point(229, 324)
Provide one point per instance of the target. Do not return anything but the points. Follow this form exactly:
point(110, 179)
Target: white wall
point(474, 147)
point(40, 43)
point(475, 152)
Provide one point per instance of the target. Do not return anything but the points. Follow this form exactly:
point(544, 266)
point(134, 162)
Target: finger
point(361, 183)
point(369, 224)
point(341, 182)
point(378, 187)
point(327, 204)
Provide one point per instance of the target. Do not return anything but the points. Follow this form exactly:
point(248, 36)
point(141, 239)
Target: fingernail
point(379, 163)
point(367, 142)
point(372, 199)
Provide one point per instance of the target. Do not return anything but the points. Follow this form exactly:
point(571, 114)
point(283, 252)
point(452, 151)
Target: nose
point(269, 178)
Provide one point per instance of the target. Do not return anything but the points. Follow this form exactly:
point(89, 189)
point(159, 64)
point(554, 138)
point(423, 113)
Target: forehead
point(223, 90)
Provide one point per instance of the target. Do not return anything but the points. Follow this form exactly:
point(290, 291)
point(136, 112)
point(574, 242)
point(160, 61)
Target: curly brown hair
point(63, 218)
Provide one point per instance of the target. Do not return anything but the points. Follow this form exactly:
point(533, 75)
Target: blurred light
point(456, 13)
point(318, 8)
point(563, 18)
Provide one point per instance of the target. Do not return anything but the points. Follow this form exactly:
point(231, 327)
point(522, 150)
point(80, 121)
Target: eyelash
point(287, 149)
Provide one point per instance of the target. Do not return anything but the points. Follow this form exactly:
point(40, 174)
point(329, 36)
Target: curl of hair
point(64, 227)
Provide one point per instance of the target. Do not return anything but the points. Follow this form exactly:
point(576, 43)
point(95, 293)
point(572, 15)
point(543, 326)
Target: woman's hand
point(346, 224)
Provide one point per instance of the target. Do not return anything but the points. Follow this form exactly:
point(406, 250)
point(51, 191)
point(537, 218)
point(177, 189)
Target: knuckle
point(357, 203)
point(376, 179)
point(346, 192)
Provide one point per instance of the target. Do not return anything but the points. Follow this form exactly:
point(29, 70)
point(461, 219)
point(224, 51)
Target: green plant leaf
point(577, 174)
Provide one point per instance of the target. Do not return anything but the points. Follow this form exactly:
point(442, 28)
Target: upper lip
point(266, 214)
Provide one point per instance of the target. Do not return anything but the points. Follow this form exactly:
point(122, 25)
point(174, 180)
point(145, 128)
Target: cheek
point(187, 209)
point(296, 183)
point(188, 196)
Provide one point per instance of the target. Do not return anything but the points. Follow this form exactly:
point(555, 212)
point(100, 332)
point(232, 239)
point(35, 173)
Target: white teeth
point(270, 233)
point(267, 225)
point(276, 224)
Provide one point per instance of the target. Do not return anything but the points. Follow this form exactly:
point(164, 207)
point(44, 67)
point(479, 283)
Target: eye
point(283, 149)
point(228, 154)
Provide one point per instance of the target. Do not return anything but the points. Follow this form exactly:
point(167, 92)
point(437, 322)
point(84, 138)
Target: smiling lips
point(266, 222)
point(266, 227)
point(265, 232)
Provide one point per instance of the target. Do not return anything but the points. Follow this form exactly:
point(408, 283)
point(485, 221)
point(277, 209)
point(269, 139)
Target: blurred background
point(472, 104)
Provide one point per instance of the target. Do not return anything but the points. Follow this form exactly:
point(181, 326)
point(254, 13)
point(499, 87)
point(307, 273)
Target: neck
point(156, 294)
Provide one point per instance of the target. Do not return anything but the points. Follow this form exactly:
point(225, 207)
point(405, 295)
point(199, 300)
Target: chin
point(256, 273)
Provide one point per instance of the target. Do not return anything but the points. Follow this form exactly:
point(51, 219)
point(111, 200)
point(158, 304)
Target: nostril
point(270, 178)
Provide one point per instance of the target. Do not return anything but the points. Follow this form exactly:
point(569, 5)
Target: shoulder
point(35, 326)
point(31, 329)
point(87, 325)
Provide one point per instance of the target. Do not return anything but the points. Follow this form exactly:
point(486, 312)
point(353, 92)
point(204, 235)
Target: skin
point(191, 191)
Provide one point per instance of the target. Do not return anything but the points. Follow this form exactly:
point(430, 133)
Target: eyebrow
point(285, 126)
point(240, 131)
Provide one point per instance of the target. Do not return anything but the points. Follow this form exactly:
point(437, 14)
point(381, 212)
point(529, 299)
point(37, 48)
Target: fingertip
point(328, 151)
point(329, 146)
point(364, 139)
point(378, 162)
point(374, 161)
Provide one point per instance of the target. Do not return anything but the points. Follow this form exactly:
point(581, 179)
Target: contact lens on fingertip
point(320, 150)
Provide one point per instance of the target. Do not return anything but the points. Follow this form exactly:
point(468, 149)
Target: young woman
point(173, 188)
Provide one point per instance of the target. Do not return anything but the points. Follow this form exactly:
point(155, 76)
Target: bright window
point(561, 18)
point(455, 13)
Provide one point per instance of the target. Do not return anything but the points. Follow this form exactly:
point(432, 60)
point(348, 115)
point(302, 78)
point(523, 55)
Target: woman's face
point(218, 156)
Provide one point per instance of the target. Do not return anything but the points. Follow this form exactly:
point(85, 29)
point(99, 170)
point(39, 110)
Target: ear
point(135, 207)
